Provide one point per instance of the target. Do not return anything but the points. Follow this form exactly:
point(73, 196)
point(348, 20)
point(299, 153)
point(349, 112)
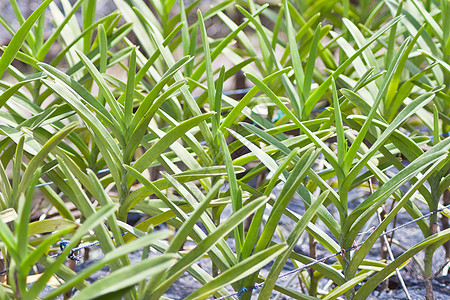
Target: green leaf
point(265, 158)
point(115, 38)
point(291, 185)
point(341, 142)
point(340, 290)
point(235, 193)
point(176, 270)
point(391, 41)
point(129, 94)
point(172, 34)
point(126, 276)
point(103, 140)
point(31, 259)
point(393, 86)
point(155, 37)
point(239, 107)
point(88, 12)
point(6, 190)
point(207, 51)
point(374, 236)
point(239, 271)
point(235, 31)
point(37, 160)
point(298, 101)
point(410, 109)
point(16, 42)
point(351, 154)
point(216, 104)
point(13, 89)
point(85, 96)
point(43, 51)
point(149, 105)
point(360, 41)
point(310, 65)
point(331, 157)
point(116, 110)
point(8, 215)
point(90, 223)
point(9, 240)
point(148, 157)
point(436, 239)
point(49, 225)
point(280, 261)
point(262, 35)
point(24, 211)
point(117, 253)
point(318, 93)
point(394, 183)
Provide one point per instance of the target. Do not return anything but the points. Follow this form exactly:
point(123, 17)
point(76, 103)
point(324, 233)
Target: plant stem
point(384, 245)
point(313, 255)
point(445, 224)
point(123, 190)
point(428, 261)
point(346, 257)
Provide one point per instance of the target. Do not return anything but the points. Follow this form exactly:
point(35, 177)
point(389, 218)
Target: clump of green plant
point(338, 95)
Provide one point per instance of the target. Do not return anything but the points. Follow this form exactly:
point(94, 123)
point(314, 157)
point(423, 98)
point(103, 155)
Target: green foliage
point(330, 107)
